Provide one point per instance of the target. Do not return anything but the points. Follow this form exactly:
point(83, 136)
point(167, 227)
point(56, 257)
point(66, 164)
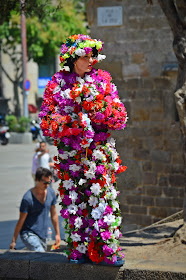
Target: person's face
point(84, 64)
point(42, 147)
point(44, 182)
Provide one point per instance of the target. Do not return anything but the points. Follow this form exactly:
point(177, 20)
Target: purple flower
point(91, 222)
point(67, 200)
point(89, 134)
point(94, 233)
point(88, 193)
point(76, 255)
point(99, 116)
point(79, 212)
point(105, 235)
point(100, 169)
point(64, 213)
point(102, 224)
point(107, 251)
point(72, 220)
point(64, 49)
point(113, 260)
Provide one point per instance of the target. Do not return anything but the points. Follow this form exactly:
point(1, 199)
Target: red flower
point(44, 124)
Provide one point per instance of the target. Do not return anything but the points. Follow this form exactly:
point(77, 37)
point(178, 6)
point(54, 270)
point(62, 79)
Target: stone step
point(24, 265)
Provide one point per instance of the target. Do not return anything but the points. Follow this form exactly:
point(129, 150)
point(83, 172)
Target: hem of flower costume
point(78, 114)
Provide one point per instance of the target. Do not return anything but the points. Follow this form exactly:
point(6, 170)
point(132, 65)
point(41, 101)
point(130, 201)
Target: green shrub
point(18, 125)
point(12, 122)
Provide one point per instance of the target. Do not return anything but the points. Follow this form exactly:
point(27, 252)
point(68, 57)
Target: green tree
point(47, 26)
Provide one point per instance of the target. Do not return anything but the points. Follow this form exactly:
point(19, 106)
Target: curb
point(26, 265)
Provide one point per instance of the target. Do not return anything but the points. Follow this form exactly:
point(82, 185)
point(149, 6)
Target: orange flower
point(121, 169)
point(88, 105)
point(44, 124)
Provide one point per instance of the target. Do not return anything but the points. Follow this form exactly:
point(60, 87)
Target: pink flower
point(105, 235)
point(107, 251)
point(108, 210)
point(64, 213)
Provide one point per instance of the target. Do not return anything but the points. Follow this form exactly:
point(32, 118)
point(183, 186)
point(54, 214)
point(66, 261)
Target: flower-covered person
point(80, 106)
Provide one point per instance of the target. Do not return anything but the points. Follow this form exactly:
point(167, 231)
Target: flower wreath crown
point(79, 45)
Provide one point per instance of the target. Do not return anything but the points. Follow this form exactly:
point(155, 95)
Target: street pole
point(24, 56)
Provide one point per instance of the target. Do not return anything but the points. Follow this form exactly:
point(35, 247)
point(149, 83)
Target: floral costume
point(78, 114)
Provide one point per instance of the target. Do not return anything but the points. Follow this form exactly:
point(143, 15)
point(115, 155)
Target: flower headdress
point(79, 45)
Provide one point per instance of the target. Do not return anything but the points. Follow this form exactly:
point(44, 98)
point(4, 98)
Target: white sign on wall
point(110, 16)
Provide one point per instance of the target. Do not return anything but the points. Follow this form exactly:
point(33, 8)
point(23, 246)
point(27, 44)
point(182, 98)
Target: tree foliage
point(46, 25)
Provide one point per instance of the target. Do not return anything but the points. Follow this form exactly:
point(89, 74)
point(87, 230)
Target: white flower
point(78, 222)
point(95, 188)
point(66, 68)
point(101, 57)
point(93, 201)
point(80, 80)
point(113, 246)
point(73, 195)
point(81, 248)
point(102, 206)
point(108, 179)
point(88, 78)
point(117, 233)
point(75, 237)
point(82, 181)
point(91, 172)
point(82, 206)
point(113, 194)
point(115, 205)
point(116, 100)
point(67, 184)
point(78, 99)
point(114, 154)
point(65, 93)
point(111, 141)
point(80, 52)
point(68, 109)
point(72, 153)
point(96, 214)
point(74, 167)
point(119, 221)
point(64, 155)
point(57, 89)
point(72, 209)
point(116, 166)
point(96, 225)
point(98, 155)
point(109, 219)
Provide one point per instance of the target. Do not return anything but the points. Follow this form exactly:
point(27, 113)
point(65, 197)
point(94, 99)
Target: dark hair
point(41, 142)
point(70, 61)
point(41, 171)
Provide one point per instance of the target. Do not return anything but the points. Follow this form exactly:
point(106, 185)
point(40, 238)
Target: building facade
point(138, 45)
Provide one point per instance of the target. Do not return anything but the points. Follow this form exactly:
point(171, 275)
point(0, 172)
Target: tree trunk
point(16, 100)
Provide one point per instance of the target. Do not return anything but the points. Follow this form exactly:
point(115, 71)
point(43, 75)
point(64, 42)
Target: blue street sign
point(27, 85)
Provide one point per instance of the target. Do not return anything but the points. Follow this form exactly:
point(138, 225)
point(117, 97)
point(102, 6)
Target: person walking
point(80, 106)
point(34, 212)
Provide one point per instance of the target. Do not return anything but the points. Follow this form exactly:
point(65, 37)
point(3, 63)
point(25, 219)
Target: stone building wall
point(139, 52)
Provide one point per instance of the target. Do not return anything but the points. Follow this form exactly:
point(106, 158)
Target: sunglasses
point(45, 182)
